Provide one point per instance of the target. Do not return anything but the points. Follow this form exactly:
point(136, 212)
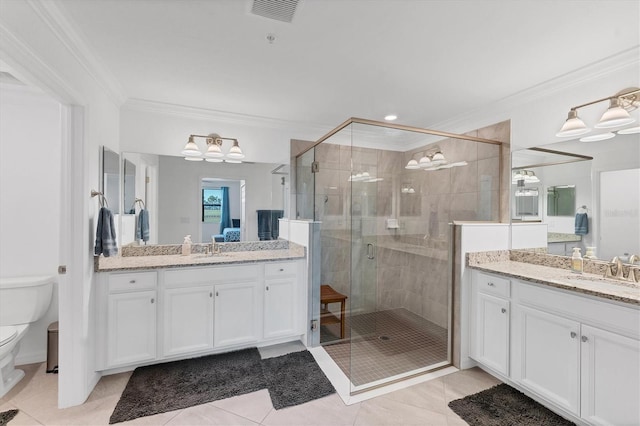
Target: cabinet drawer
point(491, 284)
point(280, 269)
point(132, 281)
point(212, 274)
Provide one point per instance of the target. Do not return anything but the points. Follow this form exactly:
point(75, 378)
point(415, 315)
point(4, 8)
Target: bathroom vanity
point(162, 308)
point(570, 341)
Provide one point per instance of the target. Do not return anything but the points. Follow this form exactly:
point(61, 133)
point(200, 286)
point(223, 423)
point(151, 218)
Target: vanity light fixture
point(597, 137)
point(214, 153)
point(616, 115)
point(525, 176)
point(434, 160)
point(629, 131)
point(390, 117)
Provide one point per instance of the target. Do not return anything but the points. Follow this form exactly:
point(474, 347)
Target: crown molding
point(56, 19)
point(593, 71)
point(197, 113)
point(29, 68)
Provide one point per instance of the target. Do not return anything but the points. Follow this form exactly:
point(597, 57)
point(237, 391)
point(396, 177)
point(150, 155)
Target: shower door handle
point(370, 254)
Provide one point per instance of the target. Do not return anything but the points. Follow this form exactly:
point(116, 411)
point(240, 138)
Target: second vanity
point(168, 307)
point(570, 341)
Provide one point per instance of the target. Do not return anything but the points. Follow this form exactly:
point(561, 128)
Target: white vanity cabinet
point(491, 337)
point(577, 353)
point(130, 318)
point(198, 311)
point(280, 300)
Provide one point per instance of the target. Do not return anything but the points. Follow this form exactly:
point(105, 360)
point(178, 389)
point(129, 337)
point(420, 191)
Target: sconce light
point(524, 176)
point(434, 160)
point(214, 152)
point(407, 189)
point(615, 116)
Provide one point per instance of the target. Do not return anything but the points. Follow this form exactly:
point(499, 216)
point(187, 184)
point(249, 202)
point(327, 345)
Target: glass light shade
point(615, 116)
point(193, 158)
point(411, 191)
point(390, 117)
point(214, 151)
point(191, 149)
point(438, 158)
point(412, 165)
point(235, 152)
point(233, 161)
point(598, 137)
point(629, 131)
point(214, 160)
point(424, 162)
point(574, 126)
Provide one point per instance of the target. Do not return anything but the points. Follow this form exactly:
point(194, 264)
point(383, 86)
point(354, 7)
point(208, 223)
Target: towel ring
point(136, 202)
point(103, 200)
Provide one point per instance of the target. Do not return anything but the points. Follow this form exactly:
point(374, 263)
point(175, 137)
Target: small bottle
point(576, 261)
point(186, 246)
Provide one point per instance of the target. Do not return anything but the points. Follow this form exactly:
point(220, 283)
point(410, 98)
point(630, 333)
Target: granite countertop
point(592, 284)
point(128, 263)
point(558, 237)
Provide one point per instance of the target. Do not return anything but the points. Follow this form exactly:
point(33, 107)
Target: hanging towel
point(142, 226)
point(582, 224)
point(106, 234)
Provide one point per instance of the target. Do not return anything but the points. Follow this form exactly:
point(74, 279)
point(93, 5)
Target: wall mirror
point(185, 198)
point(129, 186)
point(110, 178)
point(605, 188)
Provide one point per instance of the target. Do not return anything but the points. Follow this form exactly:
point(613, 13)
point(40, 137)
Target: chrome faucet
point(609, 269)
point(633, 259)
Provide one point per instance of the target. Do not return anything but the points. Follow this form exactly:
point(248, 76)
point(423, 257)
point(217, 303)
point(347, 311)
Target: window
point(211, 205)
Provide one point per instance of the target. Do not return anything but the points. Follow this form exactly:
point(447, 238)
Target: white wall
point(40, 48)
point(30, 123)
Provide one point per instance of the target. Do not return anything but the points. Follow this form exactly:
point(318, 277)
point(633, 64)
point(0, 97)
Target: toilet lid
point(7, 333)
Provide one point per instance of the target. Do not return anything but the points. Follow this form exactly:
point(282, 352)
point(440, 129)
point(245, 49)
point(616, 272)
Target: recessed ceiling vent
point(280, 10)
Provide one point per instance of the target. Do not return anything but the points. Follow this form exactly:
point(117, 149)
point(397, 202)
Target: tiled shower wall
point(411, 266)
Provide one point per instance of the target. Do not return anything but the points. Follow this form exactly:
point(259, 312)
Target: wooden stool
point(329, 295)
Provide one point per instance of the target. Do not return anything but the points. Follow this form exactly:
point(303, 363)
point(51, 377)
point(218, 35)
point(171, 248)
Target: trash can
point(52, 348)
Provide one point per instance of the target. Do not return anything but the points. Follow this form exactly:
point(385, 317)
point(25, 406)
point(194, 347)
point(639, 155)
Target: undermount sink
point(595, 279)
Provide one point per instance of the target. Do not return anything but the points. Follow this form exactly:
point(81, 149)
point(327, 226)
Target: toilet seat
point(7, 334)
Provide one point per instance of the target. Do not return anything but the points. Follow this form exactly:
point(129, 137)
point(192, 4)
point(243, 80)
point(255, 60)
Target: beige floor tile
point(156, 419)
point(429, 395)
point(29, 372)
point(383, 411)
point(35, 382)
point(254, 406)
point(207, 414)
point(467, 382)
point(110, 386)
point(329, 410)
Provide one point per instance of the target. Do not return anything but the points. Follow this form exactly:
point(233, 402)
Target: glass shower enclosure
point(385, 196)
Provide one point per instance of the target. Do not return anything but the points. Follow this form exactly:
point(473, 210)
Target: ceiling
point(426, 61)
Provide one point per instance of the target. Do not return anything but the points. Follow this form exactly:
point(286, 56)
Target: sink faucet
point(609, 269)
point(633, 259)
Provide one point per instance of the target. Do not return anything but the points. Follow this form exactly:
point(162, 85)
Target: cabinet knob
point(573, 334)
point(584, 338)
point(490, 284)
point(503, 310)
point(281, 269)
point(267, 288)
point(216, 294)
point(211, 294)
point(153, 300)
point(132, 282)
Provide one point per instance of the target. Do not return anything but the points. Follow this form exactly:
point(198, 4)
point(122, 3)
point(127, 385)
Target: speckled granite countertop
point(592, 284)
point(558, 237)
point(127, 263)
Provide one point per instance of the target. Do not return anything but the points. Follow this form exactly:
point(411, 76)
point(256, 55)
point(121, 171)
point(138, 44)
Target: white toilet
point(23, 300)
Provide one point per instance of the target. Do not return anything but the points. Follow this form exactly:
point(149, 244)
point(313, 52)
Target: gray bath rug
point(503, 405)
point(294, 379)
point(291, 379)
point(6, 416)
point(180, 384)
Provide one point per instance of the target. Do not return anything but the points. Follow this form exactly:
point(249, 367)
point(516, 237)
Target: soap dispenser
point(576, 261)
point(186, 246)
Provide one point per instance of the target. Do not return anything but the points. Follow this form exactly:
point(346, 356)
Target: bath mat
point(291, 379)
point(503, 405)
point(294, 379)
point(6, 416)
point(180, 384)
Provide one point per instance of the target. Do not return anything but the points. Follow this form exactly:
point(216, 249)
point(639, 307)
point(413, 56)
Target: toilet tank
point(24, 299)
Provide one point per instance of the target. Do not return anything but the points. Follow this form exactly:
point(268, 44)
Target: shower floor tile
point(386, 343)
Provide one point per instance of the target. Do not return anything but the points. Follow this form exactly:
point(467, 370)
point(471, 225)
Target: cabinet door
point(236, 312)
point(547, 360)
point(492, 333)
point(279, 307)
point(188, 320)
point(610, 378)
point(131, 327)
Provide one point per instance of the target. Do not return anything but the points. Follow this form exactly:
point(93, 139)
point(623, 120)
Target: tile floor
point(424, 404)
point(387, 343)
